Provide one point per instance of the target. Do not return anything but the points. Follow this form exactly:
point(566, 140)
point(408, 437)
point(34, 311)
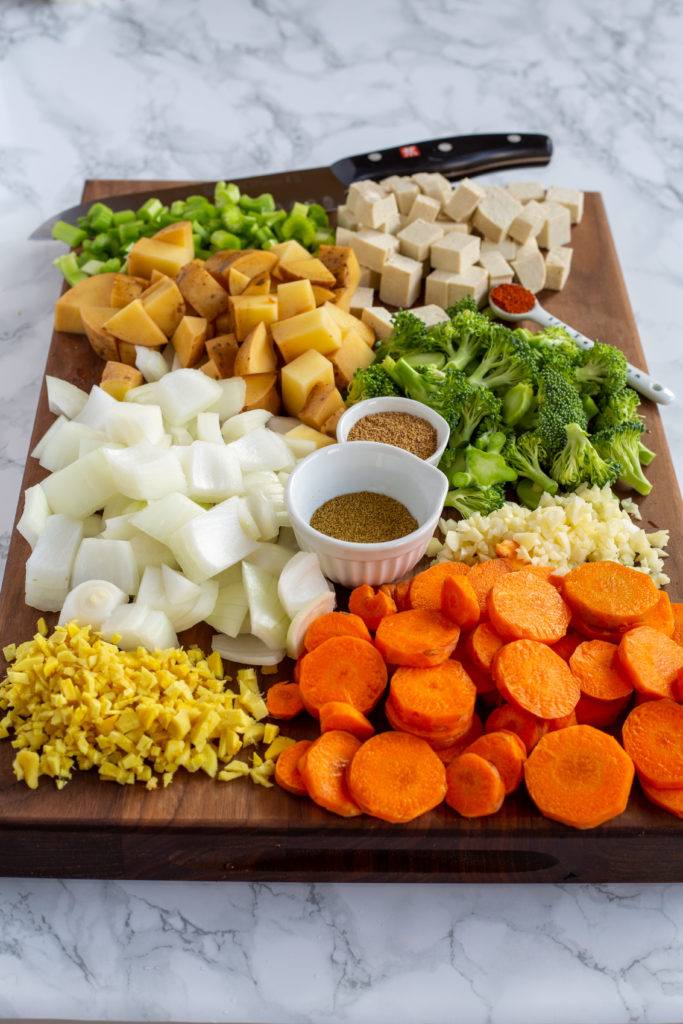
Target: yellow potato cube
point(304, 433)
point(222, 351)
point(101, 340)
point(93, 291)
point(262, 392)
point(118, 378)
point(256, 354)
point(353, 354)
point(165, 304)
point(299, 377)
point(250, 310)
point(287, 251)
point(322, 403)
point(134, 324)
point(348, 322)
point(189, 340)
point(315, 329)
point(126, 288)
point(237, 281)
point(311, 269)
point(200, 289)
point(294, 297)
point(148, 254)
point(179, 233)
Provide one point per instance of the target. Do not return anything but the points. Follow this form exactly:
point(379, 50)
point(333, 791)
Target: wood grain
point(201, 829)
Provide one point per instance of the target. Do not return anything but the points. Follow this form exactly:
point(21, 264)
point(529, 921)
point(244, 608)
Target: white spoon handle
point(638, 379)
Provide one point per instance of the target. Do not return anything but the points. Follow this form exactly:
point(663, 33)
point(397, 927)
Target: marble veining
point(208, 89)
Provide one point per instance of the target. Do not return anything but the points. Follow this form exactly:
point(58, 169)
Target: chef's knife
point(455, 157)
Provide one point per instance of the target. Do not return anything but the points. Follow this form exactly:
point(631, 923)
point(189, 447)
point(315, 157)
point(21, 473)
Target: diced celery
point(100, 217)
point(259, 204)
point(123, 217)
point(300, 228)
point(150, 209)
point(67, 233)
point(69, 267)
point(92, 267)
point(318, 215)
point(225, 240)
point(178, 208)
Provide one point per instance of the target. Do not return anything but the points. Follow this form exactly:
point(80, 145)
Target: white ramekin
point(371, 406)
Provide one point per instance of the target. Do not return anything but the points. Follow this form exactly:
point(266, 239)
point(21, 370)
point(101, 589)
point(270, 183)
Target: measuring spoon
point(638, 379)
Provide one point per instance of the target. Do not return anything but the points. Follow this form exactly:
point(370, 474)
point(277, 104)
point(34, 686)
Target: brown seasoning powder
point(363, 517)
point(401, 429)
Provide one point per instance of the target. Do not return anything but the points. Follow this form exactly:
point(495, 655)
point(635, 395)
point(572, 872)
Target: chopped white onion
point(83, 487)
point(34, 516)
point(145, 471)
point(243, 423)
point(149, 551)
point(94, 412)
point(64, 398)
point(271, 557)
point(184, 393)
point(151, 590)
point(91, 602)
point(49, 433)
point(163, 517)
point(112, 560)
point(300, 582)
point(269, 621)
point(150, 363)
point(129, 424)
point(296, 633)
point(201, 609)
point(119, 527)
point(210, 543)
point(213, 472)
point(64, 445)
point(48, 568)
point(145, 394)
point(262, 449)
point(138, 625)
point(231, 399)
point(208, 428)
point(246, 650)
point(230, 609)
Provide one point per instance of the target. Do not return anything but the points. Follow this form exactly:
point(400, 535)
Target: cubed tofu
point(294, 297)
point(424, 208)
point(495, 213)
point(572, 198)
point(404, 189)
point(434, 185)
point(343, 235)
point(529, 267)
point(556, 227)
point(558, 263)
point(527, 223)
point(133, 323)
point(369, 278)
point(455, 252)
point(507, 247)
point(298, 378)
point(379, 319)
point(464, 200)
point(526, 191)
point(353, 354)
point(346, 218)
point(430, 315)
point(452, 226)
point(393, 224)
point(416, 238)
point(445, 288)
point(498, 269)
point(361, 299)
point(118, 378)
point(372, 248)
point(370, 204)
point(202, 291)
point(401, 281)
point(222, 351)
point(437, 285)
point(189, 340)
point(316, 329)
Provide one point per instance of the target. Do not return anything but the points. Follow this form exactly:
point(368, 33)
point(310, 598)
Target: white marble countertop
point(170, 89)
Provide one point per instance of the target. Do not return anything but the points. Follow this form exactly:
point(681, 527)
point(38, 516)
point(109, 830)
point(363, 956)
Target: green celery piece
point(111, 265)
point(69, 267)
point(203, 254)
point(318, 215)
point(92, 267)
point(299, 228)
point(199, 229)
point(299, 210)
point(262, 235)
point(232, 218)
point(259, 204)
point(68, 233)
point(150, 210)
point(225, 240)
point(224, 193)
point(129, 232)
point(123, 217)
point(179, 208)
point(271, 219)
point(100, 217)
point(101, 243)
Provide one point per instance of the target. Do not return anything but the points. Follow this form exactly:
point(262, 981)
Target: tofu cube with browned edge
point(464, 200)
point(401, 281)
point(495, 213)
point(455, 252)
point(416, 238)
point(558, 263)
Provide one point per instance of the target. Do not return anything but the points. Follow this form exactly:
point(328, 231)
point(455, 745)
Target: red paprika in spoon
point(513, 298)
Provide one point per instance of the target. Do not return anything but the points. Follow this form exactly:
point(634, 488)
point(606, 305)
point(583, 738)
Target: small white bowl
point(365, 466)
point(371, 406)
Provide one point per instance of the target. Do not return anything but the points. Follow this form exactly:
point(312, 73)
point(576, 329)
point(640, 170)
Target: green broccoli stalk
point(528, 492)
point(518, 402)
point(622, 444)
point(602, 369)
point(482, 469)
point(617, 407)
point(469, 500)
point(490, 440)
point(442, 390)
point(559, 403)
point(645, 454)
point(371, 382)
point(579, 462)
point(525, 454)
point(452, 462)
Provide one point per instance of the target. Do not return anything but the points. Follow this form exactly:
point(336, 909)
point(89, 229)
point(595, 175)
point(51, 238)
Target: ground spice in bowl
point(401, 429)
point(363, 517)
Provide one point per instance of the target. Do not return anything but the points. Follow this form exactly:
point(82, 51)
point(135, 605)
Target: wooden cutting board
point(201, 829)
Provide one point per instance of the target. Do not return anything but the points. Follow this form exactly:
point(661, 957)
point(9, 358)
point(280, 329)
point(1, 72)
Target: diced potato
point(256, 354)
point(287, 251)
point(237, 281)
point(323, 295)
point(250, 310)
point(222, 351)
point(341, 260)
point(101, 340)
point(218, 264)
point(128, 353)
point(298, 378)
point(353, 354)
point(118, 378)
point(210, 369)
point(294, 297)
point(305, 433)
point(255, 262)
point(262, 392)
point(179, 233)
point(93, 291)
point(148, 254)
point(134, 324)
point(164, 302)
point(223, 324)
point(322, 403)
point(258, 285)
point(349, 322)
point(202, 291)
point(316, 329)
point(126, 288)
point(189, 340)
point(312, 269)
point(329, 427)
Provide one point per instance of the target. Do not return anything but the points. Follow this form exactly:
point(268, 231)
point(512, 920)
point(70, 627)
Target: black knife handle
point(455, 157)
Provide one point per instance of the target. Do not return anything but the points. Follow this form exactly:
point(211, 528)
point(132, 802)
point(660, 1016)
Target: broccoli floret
point(490, 440)
point(466, 302)
point(622, 443)
point(518, 402)
point(482, 469)
point(559, 403)
point(478, 408)
point(442, 390)
point(468, 500)
point(504, 359)
point(371, 382)
point(554, 347)
point(602, 369)
point(460, 338)
point(580, 462)
point(452, 462)
point(408, 334)
point(525, 454)
point(617, 407)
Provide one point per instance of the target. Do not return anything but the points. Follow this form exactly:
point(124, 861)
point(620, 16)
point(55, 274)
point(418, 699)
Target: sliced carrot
point(651, 660)
point(402, 595)
point(546, 572)
point(335, 624)
point(283, 700)
point(596, 665)
point(338, 714)
point(609, 595)
point(524, 606)
point(436, 738)
point(590, 632)
point(483, 644)
point(325, 768)
point(506, 752)
point(425, 587)
point(513, 719)
point(482, 679)
point(599, 713)
point(563, 722)
point(661, 617)
point(483, 575)
point(371, 605)
point(287, 771)
point(438, 697)
point(453, 750)
point(419, 637)
point(530, 675)
point(459, 601)
point(579, 776)
point(653, 736)
point(475, 788)
point(342, 668)
point(567, 644)
point(670, 800)
point(677, 613)
point(396, 777)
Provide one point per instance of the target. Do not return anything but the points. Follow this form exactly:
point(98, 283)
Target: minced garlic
point(563, 532)
point(73, 701)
